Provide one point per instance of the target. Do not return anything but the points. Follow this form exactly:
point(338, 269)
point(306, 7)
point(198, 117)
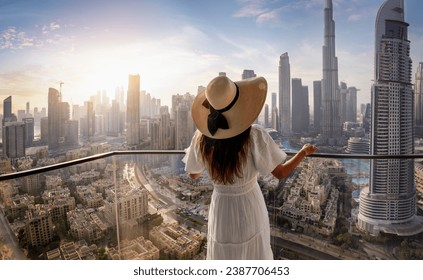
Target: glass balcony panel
point(69, 211)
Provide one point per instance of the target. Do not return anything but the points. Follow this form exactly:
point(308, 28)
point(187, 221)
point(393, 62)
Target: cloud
point(12, 39)
point(251, 10)
point(46, 29)
point(271, 16)
point(259, 10)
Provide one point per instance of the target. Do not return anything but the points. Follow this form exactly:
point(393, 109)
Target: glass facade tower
point(389, 204)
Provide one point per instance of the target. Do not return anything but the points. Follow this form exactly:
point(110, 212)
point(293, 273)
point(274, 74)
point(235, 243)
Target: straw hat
point(226, 108)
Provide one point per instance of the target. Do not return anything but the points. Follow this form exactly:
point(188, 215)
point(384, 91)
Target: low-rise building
point(136, 249)
point(175, 241)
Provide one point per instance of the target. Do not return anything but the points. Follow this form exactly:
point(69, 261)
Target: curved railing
point(60, 165)
point(181, 210)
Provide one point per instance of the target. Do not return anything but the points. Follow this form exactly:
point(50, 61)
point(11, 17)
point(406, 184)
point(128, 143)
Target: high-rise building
point(300, 106)
point(343, 91)
point(133, 111)
point(71, 128)
point(166, 142)
point(418, 99)
point(14, 140)
point(44, 130)
point(54, 100)
point(39, 226)
point(266, 116)
point(184, 125)
point(274, 122)
point(351, 108)
point(367, 117)
point(273, 100)
point(7, 110)
point(331, 121)
point(113, 120)
point(284, 95)
point(389, 203)
point(247, 74)
point(29, 131)
point(317, 106)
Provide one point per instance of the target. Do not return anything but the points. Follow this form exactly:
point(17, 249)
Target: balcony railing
point(67, 210)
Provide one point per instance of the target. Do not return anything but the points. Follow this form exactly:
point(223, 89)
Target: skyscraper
point(331, 122)
point(14, 140)
point(284, 94)
point(389, 203)
point(113, 127)
point(266, 116)
point(351, 108)
point(418, 99)
point(54, 100)
point(246, 74)
point(133, 111)
point(183, 126)
point(29, 131)
point(317, 105)
point(7, 109)
point(300, 106)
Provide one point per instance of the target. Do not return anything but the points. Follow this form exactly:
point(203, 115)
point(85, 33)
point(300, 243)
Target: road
point(303, 251)
point(318, 245)
point(168, 211)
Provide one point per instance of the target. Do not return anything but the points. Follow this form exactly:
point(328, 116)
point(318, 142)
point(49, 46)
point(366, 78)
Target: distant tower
point(389, 203)
point(331, 122)
point(7, 111)
point(14, 140)
point(90, 119)
point(7, 107)
point(133, 111)
point(317, 105)
point(113, 128)
point(418, 93)
point(284, 94)
point(54, 118)
point(300, 106)
point(266, 116)
point(165, 137)
point(184, 125)
point(246, 74)
point(351, 108)
point(29, 131)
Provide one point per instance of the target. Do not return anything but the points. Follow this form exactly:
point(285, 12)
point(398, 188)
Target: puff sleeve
point(266, 153)
point(192, 159)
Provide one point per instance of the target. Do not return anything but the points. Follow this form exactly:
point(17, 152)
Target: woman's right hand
point(308, 149)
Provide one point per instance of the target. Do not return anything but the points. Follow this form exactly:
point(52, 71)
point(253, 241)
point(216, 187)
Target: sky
point(177, 45)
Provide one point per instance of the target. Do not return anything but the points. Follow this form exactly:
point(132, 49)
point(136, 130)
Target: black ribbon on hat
point(216, 119)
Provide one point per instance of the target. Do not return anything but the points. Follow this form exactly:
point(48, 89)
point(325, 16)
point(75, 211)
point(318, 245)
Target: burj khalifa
point(331, 120)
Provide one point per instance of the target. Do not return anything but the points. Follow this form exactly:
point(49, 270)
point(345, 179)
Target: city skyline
point(94, 46)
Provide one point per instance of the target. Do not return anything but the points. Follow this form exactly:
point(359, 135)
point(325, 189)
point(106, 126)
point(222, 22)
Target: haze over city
point(176, 46)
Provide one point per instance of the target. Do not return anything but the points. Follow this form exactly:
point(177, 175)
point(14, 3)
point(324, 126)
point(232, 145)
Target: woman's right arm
point(285, 169)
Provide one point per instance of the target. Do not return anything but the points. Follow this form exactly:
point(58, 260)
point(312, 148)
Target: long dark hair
point(225, 158)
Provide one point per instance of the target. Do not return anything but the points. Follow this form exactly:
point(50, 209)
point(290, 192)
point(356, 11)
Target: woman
point(234, 152)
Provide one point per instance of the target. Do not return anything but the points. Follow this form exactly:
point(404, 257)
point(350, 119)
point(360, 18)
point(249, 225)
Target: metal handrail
point(60, 165)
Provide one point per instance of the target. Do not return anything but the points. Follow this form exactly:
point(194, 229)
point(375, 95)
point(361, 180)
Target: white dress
point(238, 222)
